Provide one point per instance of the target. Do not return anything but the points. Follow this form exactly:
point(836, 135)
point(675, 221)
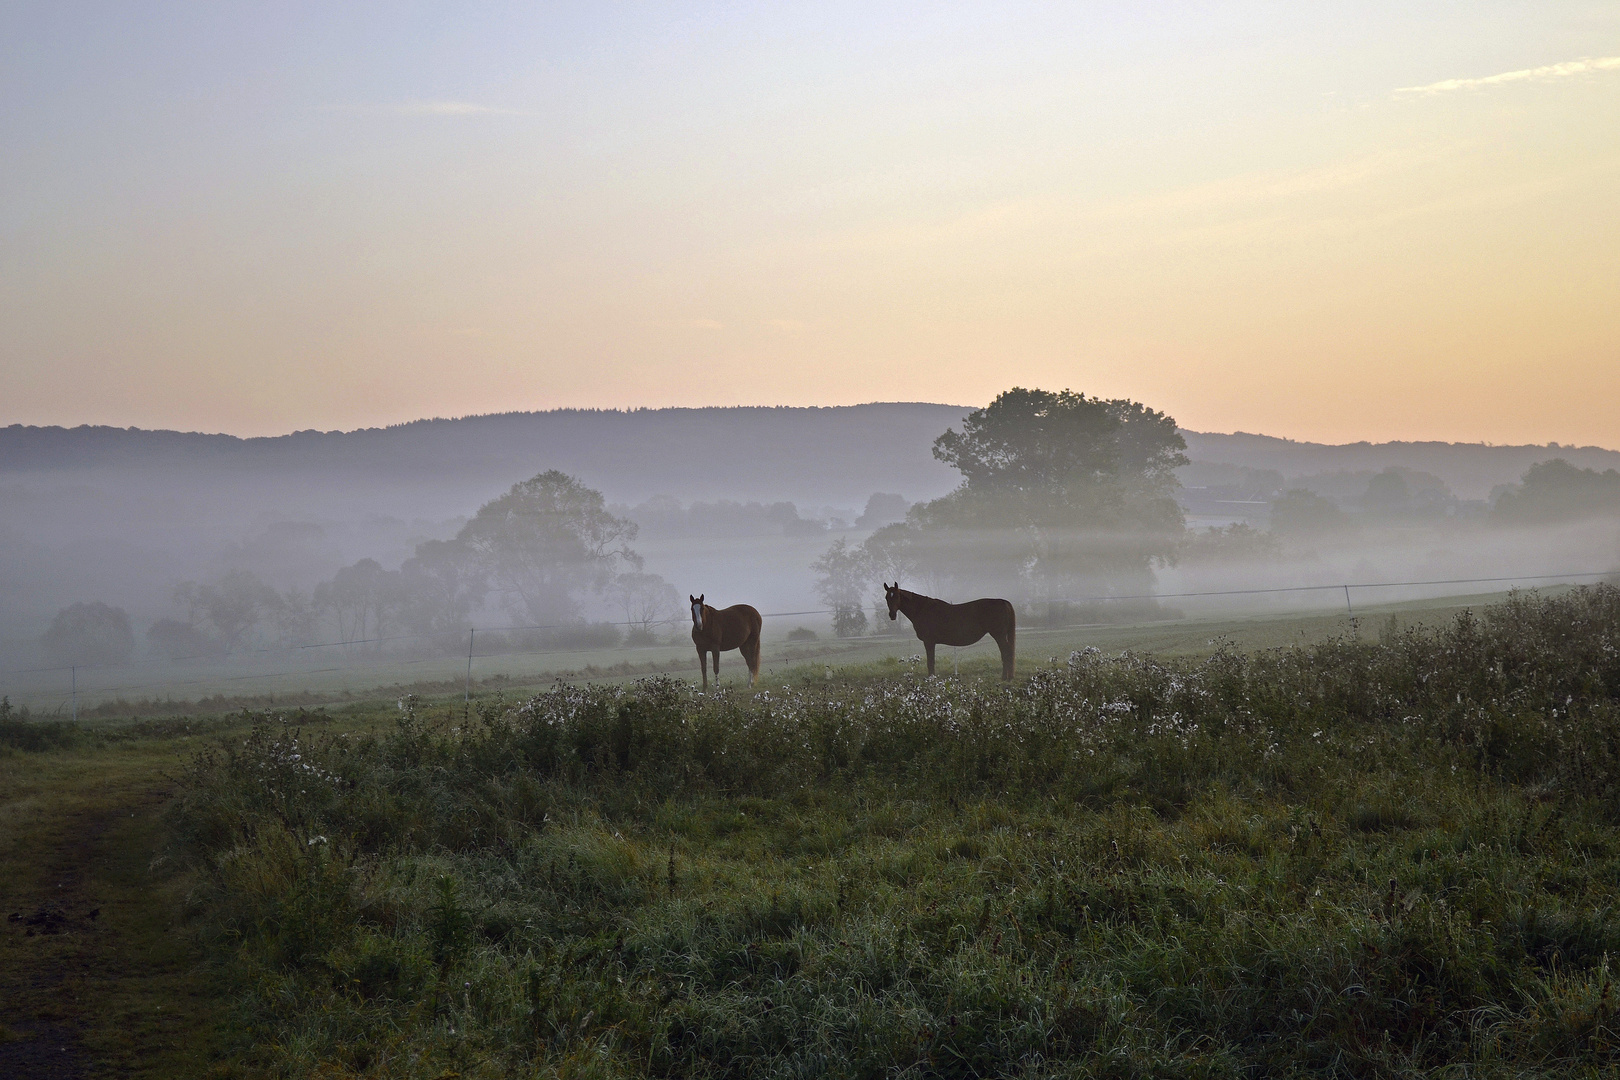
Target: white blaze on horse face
point(697, 613)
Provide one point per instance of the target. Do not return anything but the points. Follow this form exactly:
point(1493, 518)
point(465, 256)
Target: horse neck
point(908, 602)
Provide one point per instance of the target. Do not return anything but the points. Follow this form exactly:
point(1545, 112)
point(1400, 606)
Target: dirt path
point(96, 977)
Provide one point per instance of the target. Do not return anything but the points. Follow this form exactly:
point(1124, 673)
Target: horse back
point(729, 628)
point(964, 624)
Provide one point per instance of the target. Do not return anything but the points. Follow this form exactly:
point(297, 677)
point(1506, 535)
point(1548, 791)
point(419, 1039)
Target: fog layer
point(209, 546)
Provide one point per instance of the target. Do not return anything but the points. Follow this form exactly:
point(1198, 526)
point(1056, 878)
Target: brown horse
point(939, 623)
point(718, 630)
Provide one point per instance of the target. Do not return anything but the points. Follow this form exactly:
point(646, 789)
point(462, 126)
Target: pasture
point(1375, 853)
point(354, 675)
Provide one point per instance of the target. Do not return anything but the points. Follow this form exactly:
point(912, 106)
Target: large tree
point(547, 541)
point(1061, 457)
point(1060, 492)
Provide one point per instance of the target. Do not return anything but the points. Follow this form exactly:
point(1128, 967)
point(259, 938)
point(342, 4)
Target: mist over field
point(140, 552)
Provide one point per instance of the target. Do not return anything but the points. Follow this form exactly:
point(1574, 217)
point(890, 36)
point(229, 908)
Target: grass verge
point(98, 974)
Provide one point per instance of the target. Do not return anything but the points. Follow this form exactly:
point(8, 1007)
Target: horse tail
point(750, 645)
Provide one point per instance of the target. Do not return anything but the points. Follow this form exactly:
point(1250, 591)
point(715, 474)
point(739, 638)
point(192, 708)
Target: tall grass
point(1363, 858)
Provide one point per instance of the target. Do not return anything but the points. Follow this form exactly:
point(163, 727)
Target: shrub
point(849, 620)
point(20, 732)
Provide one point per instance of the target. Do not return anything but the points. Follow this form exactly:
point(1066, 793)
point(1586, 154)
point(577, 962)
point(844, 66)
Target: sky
point(1326, 222)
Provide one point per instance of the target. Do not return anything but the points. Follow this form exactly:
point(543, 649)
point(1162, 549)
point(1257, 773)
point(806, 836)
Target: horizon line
point(615, 410)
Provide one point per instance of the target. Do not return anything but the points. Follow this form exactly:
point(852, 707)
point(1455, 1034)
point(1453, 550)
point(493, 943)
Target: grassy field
point(1388, 852)
point(346, 676)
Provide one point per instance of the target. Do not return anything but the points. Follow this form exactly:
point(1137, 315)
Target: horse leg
point(717, 667)
point(929, 647)
point(1005, 642)
point(703, 668)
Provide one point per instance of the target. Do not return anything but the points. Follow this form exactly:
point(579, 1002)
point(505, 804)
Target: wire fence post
point(73, 683)
point(1347, 606)
point(466, 697)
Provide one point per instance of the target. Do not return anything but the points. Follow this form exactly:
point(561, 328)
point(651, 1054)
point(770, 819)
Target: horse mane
point(907, 594)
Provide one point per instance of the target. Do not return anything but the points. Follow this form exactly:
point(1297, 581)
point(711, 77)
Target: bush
point(849, 620)
point(19, 732)
point(802, 633)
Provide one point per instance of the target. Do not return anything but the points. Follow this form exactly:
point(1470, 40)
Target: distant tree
point(188, 594)
point(176, 640)
point(882, 508)
point(1033, 441)
point(442, 585)
point(87, 634)
point(843, 575)
point(1060, 449)
point(1387, 491)
point(890, 554)
point(1238, 542)
point(1058, 490)
point(545, 542)
point(230, 607)
point(1301, 512)
point(363, 598)
point(647, 600)
point(1403, 492)
point(297, 618)
point(1555, 491)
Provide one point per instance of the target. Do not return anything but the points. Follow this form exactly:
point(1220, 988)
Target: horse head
point(891, 593)
point(697, 611)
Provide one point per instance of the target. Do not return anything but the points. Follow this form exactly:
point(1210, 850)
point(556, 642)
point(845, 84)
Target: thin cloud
point(1583, 66)
point(705, 324)
point(425, 108)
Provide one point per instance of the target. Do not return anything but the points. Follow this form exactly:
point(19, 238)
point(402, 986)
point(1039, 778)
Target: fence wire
point(61, 700)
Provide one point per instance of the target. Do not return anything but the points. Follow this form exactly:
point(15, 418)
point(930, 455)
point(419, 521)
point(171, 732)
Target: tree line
point(536, 551)
point(1061, 495)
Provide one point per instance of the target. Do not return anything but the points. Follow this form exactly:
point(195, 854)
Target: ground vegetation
point(1383, 854)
